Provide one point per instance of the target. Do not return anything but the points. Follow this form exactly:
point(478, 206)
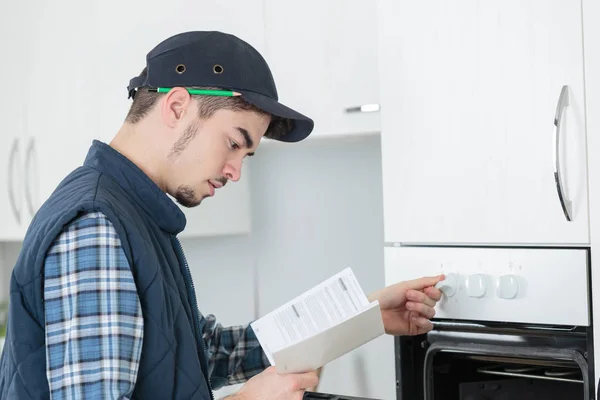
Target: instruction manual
point(320, 325)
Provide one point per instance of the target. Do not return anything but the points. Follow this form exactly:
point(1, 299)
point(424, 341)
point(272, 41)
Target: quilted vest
point(173, 363)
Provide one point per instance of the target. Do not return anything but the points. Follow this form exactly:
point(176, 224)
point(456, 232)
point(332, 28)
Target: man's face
point(208, 153)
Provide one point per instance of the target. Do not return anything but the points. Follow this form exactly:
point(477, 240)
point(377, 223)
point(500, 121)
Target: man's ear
point(174, 105)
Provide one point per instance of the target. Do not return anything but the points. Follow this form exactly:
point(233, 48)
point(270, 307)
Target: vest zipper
point(196, 315)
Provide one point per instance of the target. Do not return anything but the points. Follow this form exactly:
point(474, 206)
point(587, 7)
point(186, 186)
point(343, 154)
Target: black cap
point(217, 59)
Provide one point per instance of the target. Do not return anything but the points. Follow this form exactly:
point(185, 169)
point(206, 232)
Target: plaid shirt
point(95, 326)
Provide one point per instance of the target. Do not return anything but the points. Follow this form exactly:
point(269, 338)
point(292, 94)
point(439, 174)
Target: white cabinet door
point(12, 210)
point(323, 56)
point(12, 207)
point(14, 40)
point(469, 92)
point(11, 204)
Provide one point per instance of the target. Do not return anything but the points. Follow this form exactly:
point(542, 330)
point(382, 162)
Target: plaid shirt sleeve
point(94, 322)
point(234, 353)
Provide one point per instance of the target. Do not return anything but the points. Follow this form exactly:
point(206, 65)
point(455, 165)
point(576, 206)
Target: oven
point(513, 324)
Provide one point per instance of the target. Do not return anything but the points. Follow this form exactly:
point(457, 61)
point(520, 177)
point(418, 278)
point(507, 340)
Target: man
point(102, 303)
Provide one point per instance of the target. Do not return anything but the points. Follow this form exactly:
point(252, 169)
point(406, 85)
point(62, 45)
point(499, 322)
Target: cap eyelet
point(217, 69)
point(180, 69)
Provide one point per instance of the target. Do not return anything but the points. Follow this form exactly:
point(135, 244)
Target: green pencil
point(207, 92)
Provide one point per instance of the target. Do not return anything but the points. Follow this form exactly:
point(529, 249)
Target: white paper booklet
point(320, 325)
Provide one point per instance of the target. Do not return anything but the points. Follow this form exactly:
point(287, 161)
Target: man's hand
point(406, 307)
point(270, 385)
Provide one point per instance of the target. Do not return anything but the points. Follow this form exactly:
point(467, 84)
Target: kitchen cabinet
point(469, 94)
point(591, 16)
point(323, 56)
point(13, 212)
point(13, 142)
point(12, 208)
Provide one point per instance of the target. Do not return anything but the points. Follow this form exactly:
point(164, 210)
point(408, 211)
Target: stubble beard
point(186, 196)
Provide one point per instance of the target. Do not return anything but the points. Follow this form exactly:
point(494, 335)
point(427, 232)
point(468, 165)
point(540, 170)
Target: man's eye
point(233, 145)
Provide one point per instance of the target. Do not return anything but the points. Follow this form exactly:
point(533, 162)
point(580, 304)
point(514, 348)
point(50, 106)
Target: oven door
point(467, 361)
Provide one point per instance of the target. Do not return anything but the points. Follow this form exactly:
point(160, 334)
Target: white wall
point(316, 208)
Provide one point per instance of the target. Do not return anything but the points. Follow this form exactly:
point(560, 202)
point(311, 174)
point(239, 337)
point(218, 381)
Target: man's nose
point(233, 171)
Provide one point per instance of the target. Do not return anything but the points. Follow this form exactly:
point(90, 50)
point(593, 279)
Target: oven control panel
point(536, 286)
point(477, 285)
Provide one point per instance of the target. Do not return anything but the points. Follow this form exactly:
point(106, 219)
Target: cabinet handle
point(363, 108)
point(28, 156)
point(11, 189)
point(563, 101)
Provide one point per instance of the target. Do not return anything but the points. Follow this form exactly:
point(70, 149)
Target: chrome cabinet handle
point(30, 150)
point(11, 189)
point(563, 101)
point(363, 108)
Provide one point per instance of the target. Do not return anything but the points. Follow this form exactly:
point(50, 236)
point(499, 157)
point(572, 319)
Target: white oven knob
point(507, 287)
point(448, 286)
point(476, 286)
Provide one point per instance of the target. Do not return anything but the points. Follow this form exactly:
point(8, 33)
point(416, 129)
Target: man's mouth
point(215, 184)
point(218, 183)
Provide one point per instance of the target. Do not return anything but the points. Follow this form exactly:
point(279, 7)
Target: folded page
point(316, 351)
point(325, 305)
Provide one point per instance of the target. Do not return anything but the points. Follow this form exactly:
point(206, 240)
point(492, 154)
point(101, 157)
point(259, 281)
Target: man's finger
point(423, 324)
point(420, 297)
point(433, 293)
point(422, 283)
point(306, 380)
point(424, 310)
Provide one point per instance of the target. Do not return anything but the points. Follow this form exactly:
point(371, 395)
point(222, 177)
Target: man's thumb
point(422, 283)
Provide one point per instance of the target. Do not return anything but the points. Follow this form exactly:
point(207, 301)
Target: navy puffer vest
point(173, 363)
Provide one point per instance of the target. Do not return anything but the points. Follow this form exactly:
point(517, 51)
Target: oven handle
point(470, 326)
point(457, 325)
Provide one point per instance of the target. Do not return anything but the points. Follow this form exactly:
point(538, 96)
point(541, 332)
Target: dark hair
point(144, 100)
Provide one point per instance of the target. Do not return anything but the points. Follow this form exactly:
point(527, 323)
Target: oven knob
point(507, 287)
point(449, 285)
point(475, 285)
